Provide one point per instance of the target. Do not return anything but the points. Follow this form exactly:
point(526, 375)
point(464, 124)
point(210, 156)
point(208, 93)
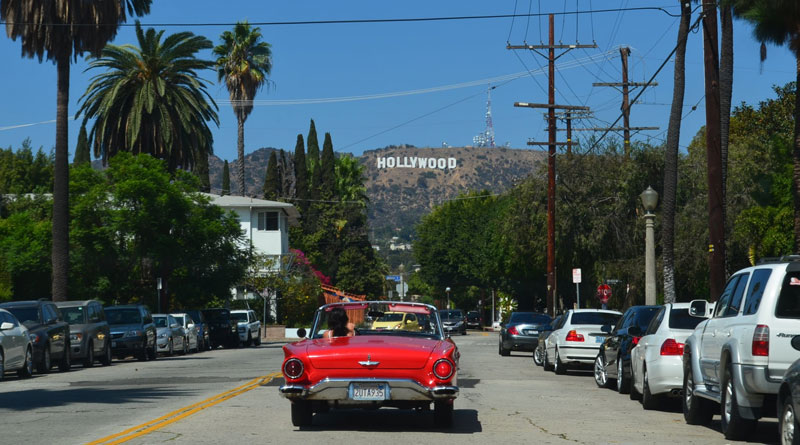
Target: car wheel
point(547, 365)
point(443, 413)
point(787, 423)
point(249, 341)
point(623, 384)
point(44, 365)
point(153, 352)
point(649, 401)
point(65, 364)
point(88, 362)
point(503, 351)
point(559, 367)
point(733, 425)
point(696, 410)
point(170, 348)
point(301, 413)
point(106, 359)
point(2, 365)
point(538, 360)
point(27, 370)
point(600, 371)
point(258, 340)
point(185, 349)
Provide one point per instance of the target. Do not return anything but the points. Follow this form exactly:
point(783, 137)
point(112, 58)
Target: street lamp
point(448, 297)
point(649, 202)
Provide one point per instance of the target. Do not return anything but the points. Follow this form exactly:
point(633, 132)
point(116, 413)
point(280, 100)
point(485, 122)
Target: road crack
point(562, 436)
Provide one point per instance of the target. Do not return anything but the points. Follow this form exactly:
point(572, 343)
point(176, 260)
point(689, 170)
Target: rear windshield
point(450, 314)
point(216, 316)
point(161, 322)
point(789, 300)
point(239, 316)
point(24, 314)
point(123, 316)
point(391, 317)
point(601, 318)
point(73, 315)
point(197, 316)
point(680, 319)
point(529, 318)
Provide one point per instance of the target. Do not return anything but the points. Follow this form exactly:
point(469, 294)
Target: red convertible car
point(409, 365)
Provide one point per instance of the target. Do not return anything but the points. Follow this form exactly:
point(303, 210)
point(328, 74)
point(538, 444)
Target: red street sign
point(603, 293)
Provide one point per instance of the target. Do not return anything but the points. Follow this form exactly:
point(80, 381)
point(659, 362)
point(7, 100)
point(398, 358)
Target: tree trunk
point(671, 156)
point(60, 252)
point(240, 150)
point(725, 92)
point(796, 159)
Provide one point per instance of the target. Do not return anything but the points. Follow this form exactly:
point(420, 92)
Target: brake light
point(574, 336)
point(761, 341)
point(635, 341)
point(443, 369)
point(293, 368)
point(671, 347)
point(513, 330)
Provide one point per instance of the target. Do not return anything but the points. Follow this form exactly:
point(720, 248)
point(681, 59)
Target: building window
point(267, 220)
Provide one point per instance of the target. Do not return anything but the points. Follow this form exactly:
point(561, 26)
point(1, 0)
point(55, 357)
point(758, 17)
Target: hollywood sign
point(416, 162)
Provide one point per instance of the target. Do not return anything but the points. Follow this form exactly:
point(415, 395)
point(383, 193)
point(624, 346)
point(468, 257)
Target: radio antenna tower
point(486, 139)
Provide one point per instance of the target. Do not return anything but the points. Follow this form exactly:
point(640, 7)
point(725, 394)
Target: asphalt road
point(231, 396)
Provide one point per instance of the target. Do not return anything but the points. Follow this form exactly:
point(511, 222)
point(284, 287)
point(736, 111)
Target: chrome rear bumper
point(338, 389)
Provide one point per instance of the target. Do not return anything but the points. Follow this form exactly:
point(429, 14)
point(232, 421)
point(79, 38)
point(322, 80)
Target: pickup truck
point(737, 358)
point(249, 327)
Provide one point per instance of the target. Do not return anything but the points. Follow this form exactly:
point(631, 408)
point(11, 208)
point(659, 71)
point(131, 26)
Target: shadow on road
point(465, 421)
point(34, 399)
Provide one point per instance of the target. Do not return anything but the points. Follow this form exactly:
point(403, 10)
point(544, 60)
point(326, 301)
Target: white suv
point(737, 357)
point(248, 326)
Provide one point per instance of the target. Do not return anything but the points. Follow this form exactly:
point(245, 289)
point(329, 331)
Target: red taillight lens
point(574, 336)
point(635, 341)
point(513, 330)
point(293, 368)
point(443, 369)
point(761, 341)
point(671, 347)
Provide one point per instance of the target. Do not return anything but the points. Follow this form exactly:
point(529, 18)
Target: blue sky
point(345, 60)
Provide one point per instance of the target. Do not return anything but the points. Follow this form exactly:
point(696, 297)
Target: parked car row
point(737, 358)
point(38, 335)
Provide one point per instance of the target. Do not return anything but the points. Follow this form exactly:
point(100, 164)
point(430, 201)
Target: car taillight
point(293, 368)
point(635, 341)
point(671, 347)
point(761, 341)
point(443, 369)
point(513, 330)
point(574, 336)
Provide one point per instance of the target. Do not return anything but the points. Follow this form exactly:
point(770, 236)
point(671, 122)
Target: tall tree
point(301, 175)
point(48, 30)
point(82, 153)
point(201, 169)
point(272, 184)
point(226, 179)
point(671, 156)
point(151, 99)
point(778, 22)
point(244, 61)
point(328, 169)
point(313, 161)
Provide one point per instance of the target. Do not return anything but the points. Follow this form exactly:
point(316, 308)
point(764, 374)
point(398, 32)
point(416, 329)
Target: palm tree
point(350, 180)
point(244, 61)
point(151, 99)
point(778, 22)
point(46, 29)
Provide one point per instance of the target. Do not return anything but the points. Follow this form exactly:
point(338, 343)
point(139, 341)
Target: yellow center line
point(184, 412)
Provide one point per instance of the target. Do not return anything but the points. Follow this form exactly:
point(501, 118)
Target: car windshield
point(599, 318)
point(123, 316)
point(528, 318)
point(25, 314)
point(473, 316)
point(217, 316)
point(451, 315)
point(239, 316)
point(378, 318)
point(178, 319)
point(161, 322)
point(74, 314)
point(680, 319)
point(196, 316)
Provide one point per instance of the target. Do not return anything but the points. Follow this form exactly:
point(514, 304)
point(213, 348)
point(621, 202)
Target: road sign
point(402, 289)
point(393, 277)
point(576, 275)
point(603, 293)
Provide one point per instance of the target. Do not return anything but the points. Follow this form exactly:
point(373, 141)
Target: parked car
point(248, 326)
point(375, 368)
point(171, 336)
point(538, 353)
point(453, 320)
point(736, 358)
point(89, 334)
point(521, 333)
point(49, 332)
point(189, 329)
point(614, 356)
point(789, 401)
point(657, 360)
point(16, 350)
point(396, 320)
point(474, 320)
point(132, 332)
point(578, 338)
point(222, 328)
point(203, 342)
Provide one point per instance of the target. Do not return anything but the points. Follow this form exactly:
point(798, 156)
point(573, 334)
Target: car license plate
point(369, 391)
point(599, 339)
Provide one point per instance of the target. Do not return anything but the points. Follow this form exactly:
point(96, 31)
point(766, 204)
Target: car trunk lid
point(389, 351)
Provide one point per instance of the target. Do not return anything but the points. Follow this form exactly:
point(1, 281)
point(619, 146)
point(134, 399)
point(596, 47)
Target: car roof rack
point(780, 259)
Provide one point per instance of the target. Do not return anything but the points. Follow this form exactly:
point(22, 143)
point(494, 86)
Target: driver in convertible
point(339, 325)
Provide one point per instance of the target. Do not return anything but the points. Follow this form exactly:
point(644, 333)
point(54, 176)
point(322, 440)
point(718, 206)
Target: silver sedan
point(16, 352)
point(170, 336)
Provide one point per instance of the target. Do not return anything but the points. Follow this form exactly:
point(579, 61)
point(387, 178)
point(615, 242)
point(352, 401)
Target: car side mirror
point(5, 326)
point(301, 332)
point(698, 308)
point(796, 342)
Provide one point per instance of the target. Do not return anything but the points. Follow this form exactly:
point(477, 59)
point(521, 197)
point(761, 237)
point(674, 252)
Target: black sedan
point(789, 401)
point(48, 331)
point(521, 333)
point(614, 358)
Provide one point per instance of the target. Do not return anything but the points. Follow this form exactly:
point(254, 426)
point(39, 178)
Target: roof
point(72, 303)
point(26, 303)
point(231, 201)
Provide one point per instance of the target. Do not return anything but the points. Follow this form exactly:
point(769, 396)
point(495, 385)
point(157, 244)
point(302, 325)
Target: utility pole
point(551, 144)
point(568, 116)
point(716, 224)
point(626, 128)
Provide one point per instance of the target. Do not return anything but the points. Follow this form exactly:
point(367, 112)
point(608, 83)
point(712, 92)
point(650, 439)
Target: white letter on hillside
point(390, 163)
point(442, 163)
point(381, 162)
point(452, 163)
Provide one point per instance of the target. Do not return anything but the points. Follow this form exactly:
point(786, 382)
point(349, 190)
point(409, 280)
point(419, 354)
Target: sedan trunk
point(390, 351)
